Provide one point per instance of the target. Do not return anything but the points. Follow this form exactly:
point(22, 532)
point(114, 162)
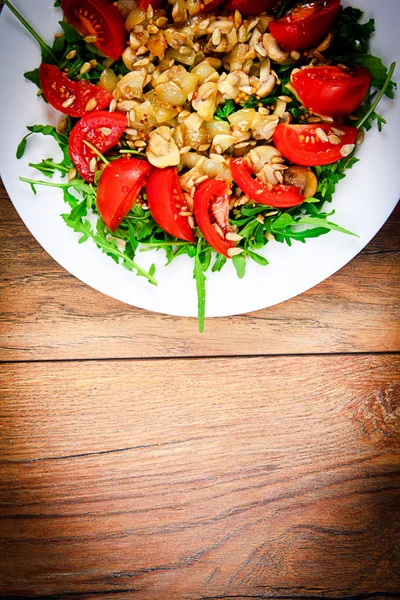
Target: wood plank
point(168, 479)
point(48, 314)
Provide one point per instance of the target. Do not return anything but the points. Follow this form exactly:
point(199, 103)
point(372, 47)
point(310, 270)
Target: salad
point(205, 128)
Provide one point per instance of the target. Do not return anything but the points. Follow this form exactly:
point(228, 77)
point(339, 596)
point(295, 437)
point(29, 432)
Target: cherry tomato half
point(281, 196)
point(154, 3)
point(212, 5)
point(251, 7)
point(314, 145)
point(331, 91)
point(98, 18)
point(211, 209)
point(305, 26)
point(166, 202)
point(103, 130)
point(58, 89)
point(119, 185)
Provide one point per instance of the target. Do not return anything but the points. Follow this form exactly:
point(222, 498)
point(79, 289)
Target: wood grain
point(169, 479)
point(48, 314)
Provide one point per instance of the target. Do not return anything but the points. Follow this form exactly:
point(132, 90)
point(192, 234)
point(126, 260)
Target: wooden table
point(140, 459)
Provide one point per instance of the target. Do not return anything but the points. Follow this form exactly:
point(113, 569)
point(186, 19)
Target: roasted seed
point(216, 37)
point(218, 230)
point(334, 139)
point(62, 126)
point(71, 174)
point(360, 137)
point(320, 133)
point(90, 39)
point(68, 102)
point(233, 237)
point(234, 252)
point(71, 55)
point(93, 165)
point(347, 149)
point(91, 105)
point(85, 68)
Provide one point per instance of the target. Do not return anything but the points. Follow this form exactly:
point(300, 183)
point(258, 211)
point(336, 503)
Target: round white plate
point(363, 201)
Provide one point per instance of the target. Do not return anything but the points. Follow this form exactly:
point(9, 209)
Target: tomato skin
point(291, 143)
point(154, 3)
point(306, 26)
point(164, 193)
point(251, 7)
point(332, 91)
point(102, 19)
point(212, 5)
point(57, 88)
point(119, 185)
point(281, 196)
point(212, 198)
point(88, 128)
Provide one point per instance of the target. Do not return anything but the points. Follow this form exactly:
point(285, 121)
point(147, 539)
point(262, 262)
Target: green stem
point(48, 183)
point(163, 244)
point(136, 152)
point(125, 258)
point(99, 154)
point(28, 27)
point(379, 97)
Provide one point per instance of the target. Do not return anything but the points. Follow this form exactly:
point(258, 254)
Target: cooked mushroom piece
point(303, 178)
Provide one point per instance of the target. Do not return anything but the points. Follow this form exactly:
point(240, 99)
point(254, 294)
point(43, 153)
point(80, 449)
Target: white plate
point(363, 201)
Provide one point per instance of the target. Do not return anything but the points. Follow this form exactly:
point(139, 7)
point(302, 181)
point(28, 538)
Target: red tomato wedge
point(314, 145)
point(305, 26)
point(251, 7)
point(58, 89)
point(103, 130)
point(331, 91)
point(154, 3)
point(166, 202)
point(98, 18)
point(211, 209)
point(281, 196)
point(119, 185)
point(211, 5)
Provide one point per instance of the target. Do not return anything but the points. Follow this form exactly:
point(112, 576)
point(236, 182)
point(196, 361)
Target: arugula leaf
point(352, 37)
point(34, 77)
point(48, 167)
point(220, 260)
point(239, 262)
point(257, 258)
point(71, 34)
point(322, 222)
point(60, 138)
point(222, 113)
point(198, 274)
point(371, 111)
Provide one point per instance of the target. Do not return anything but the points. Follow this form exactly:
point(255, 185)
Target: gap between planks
point(199, 357)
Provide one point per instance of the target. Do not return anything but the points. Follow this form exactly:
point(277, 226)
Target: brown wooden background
point(140, 459)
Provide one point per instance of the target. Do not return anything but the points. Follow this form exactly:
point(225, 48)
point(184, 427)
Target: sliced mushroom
point(162, 150)
point(261, 155)
point(263, 126)
point(303, 178)
point(221, 142)
point(131, 86)
point(268, 79)
point(274, 51)
point(205, 100)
